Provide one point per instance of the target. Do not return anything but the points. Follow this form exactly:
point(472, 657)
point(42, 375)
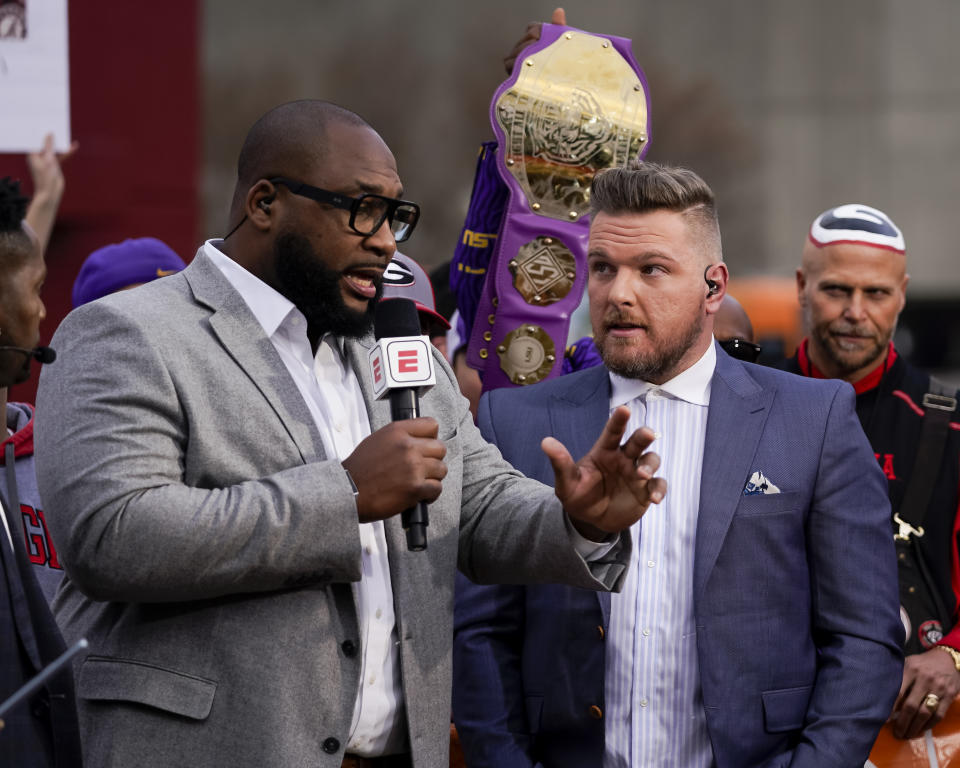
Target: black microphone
point(403, 365)
point(43, 355)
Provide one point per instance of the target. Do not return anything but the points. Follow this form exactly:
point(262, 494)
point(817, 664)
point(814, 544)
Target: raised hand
point(530, 35)
point(610, 488)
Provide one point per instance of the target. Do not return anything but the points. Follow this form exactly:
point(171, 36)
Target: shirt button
point(368, 549)
point(595, 712)
point(379, 613)
point(650, 563)
point(643, 702)
point(646, 633)
point(372, 680)
point(338, 427)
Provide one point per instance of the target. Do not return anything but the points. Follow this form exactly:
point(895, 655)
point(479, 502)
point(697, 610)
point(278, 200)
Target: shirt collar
point(692, 384)
point(270, 307)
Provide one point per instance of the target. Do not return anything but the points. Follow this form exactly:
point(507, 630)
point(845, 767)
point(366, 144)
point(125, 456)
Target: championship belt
point(575, 104)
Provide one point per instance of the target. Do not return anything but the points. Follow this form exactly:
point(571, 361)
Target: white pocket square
point(758, 484)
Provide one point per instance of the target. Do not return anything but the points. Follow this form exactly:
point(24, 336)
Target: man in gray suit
point(224, 488)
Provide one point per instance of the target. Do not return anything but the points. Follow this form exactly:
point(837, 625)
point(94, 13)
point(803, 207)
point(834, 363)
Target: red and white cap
point(858, 224)
point(405, 279)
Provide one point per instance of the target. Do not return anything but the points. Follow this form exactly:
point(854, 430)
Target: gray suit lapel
point(244, 340)
point(738, 411)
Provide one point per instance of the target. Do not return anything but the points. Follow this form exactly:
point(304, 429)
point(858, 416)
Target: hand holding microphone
point(400, 467)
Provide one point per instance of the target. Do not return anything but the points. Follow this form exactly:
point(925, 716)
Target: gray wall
point(785, 108)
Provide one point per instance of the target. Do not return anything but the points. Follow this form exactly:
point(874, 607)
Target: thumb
point(559, 17)
point(565, 472)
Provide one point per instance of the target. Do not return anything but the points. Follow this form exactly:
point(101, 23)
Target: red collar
point(865, 384)
point(22, 441)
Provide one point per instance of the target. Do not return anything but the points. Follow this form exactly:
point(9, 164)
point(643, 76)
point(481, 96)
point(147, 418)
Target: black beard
point(315, 289)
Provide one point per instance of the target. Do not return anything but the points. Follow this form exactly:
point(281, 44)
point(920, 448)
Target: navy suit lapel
point(577, 417)
point(239, 331)
point(738, 411)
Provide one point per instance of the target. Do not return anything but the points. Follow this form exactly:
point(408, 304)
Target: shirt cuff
point(587, 549)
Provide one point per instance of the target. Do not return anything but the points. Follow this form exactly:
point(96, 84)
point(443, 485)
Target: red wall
point(134, 108)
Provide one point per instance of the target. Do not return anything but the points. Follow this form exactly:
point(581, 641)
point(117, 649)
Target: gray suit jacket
point(209, 544)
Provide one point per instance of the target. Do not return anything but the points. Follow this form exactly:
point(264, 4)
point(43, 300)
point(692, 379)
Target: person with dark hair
point(758, 623)
point(43, 730)
point(227, 490)
point(852, 286)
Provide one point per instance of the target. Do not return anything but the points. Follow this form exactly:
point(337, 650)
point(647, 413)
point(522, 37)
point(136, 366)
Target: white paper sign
point(34, 75)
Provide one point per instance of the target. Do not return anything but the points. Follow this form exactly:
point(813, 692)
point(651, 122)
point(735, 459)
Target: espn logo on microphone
point(401, 361)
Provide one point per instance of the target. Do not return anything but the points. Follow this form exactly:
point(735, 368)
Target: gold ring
point(931, 702)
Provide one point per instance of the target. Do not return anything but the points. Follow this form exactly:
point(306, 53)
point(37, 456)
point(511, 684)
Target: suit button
point(331, 745)
point(600, 631)
point(595, 712)
point(349, 648)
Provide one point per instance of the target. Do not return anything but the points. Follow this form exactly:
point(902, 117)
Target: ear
point(903, 293)
point(720, 276)
point(258, 205)
point(801, 287)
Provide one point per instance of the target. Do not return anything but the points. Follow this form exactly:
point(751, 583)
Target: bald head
point(286, 140)
point(732, 321)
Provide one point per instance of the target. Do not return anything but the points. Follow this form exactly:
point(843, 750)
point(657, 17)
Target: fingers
point(559, 16)
point(564, 468)
point(638, 442)
point(613, 430)
point(423, 426)
point(62, 157)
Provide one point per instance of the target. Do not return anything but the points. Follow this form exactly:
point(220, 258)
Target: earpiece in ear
point(264, 205)
point(711, 284)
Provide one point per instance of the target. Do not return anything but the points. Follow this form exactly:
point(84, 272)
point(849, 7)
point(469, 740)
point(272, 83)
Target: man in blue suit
point(759, 625)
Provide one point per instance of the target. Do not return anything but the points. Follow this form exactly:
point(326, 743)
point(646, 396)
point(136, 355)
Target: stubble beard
point(656, 365)
point(845, 362)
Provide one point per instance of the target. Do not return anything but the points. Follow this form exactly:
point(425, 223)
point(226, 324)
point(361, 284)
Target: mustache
point(852, 330)
point(620, 318)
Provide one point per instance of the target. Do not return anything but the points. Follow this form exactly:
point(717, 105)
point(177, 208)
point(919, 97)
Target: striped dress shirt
point(654, 707)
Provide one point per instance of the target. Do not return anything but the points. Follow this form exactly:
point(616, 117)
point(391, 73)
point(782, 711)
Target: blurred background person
point(42, 731)
point(121, 266)
point(852, 285)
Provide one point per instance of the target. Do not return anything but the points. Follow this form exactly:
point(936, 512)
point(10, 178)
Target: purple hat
point(119, 265)
point(405, 279)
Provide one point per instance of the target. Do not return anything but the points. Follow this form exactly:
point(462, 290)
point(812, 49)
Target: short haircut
point(642, 187)
point(15, 243)
point(286, 140)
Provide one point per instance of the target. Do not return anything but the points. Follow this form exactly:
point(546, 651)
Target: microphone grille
point(396, 317)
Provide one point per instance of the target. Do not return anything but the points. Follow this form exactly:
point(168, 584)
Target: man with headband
point(852, 287)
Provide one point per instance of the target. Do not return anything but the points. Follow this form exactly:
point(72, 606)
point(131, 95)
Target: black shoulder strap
point(939, 404)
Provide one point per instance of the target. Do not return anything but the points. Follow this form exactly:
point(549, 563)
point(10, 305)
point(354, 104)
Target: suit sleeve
point(112, 447)
point(855, 608)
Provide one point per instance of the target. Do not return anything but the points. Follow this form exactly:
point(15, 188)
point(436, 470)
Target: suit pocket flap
point(785, 709)
point(103, 679)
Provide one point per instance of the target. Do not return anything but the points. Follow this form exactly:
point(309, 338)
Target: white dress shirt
point(654, 707)
point(332, 393)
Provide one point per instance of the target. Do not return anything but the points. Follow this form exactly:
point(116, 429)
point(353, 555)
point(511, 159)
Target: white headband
point(856, 223)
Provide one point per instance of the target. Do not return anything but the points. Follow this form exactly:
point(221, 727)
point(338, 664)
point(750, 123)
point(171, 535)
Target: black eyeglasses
point(741, 349)
point(367, 212)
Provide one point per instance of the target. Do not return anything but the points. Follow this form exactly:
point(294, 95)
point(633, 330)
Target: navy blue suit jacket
point(796, 606)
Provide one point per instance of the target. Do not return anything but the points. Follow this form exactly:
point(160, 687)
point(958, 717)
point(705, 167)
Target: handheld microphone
point(43, 355)
point(402, 365)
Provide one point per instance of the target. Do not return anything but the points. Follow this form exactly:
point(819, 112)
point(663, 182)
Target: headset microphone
point(43, 355)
